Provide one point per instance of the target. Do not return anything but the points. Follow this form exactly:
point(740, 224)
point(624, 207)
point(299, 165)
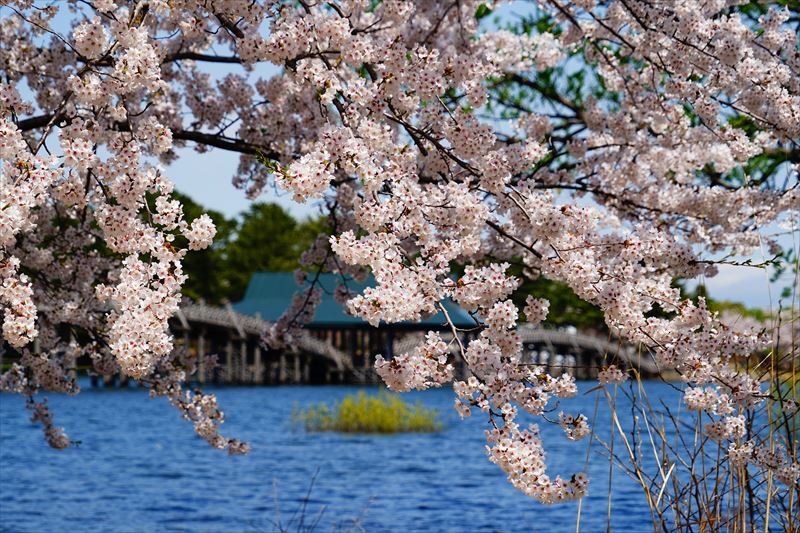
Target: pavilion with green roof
point(227, 346)
point(269, 294)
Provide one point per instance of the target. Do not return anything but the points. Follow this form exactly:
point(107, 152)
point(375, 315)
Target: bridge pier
point(282, 369)
point(570, 362)
point(258, 372)
point(582, 365)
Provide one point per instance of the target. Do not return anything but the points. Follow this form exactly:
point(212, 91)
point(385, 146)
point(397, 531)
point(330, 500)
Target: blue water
point(139, 468)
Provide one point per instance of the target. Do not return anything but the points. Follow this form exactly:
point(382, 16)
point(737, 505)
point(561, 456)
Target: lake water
point(139, 468)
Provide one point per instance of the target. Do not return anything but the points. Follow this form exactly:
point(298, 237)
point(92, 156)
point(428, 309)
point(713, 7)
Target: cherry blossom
point(575, 428)
point(405, 122)
point(426, 367)
point(611, 375)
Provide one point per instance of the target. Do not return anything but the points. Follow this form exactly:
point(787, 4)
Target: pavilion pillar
point(390, 344)
point(258, 376)
point(243, 360)
point(365, 345)
point(282, 369)
point(296, 373)
point(306, 370)
point(187, 348)
point(229, 361)
point(201, 356)
point(353, 346)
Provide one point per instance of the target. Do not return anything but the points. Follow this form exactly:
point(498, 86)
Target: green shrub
point(384, 413)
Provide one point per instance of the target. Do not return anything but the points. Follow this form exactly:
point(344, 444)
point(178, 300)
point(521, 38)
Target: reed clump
point(361, 413)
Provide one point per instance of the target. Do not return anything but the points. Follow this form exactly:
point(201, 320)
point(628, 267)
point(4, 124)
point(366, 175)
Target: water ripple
point(139, 469)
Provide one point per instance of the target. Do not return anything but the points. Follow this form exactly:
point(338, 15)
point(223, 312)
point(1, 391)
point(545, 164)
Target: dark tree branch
point(209, 139)
point(546, 91)
point(37, 122)
point(229, 25)
point(495, 226)
point(225, 143)
point(194, 56)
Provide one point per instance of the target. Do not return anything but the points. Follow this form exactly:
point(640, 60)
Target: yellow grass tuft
point(360, 413)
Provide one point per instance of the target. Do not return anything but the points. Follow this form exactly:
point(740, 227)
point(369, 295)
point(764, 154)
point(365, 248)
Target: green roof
point(269, 294)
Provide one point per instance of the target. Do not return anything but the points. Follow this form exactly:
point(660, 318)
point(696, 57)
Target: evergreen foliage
point(265, 238)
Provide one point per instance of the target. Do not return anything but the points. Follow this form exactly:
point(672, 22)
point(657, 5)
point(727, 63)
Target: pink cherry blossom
point(399, 119)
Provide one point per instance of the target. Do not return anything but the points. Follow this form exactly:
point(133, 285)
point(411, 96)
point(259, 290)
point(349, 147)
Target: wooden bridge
point(582, 355)
point(345, 355)
point(226, 342)
point(234, 340)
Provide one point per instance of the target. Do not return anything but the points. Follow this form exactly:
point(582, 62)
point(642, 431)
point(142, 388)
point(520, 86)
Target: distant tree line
point(265, 238)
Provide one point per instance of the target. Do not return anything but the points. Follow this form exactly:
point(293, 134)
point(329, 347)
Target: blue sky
point(207, 177)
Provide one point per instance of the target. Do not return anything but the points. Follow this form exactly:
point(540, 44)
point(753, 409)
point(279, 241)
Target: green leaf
point(482, 11)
